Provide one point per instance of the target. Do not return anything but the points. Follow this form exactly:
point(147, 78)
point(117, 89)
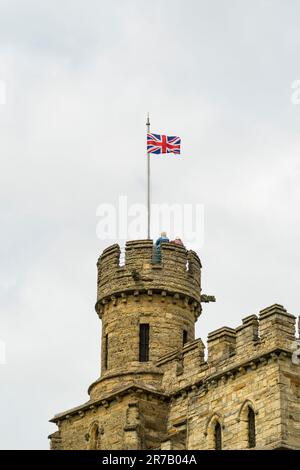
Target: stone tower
point(148, 310)
point(156, 390)
point(160, 301)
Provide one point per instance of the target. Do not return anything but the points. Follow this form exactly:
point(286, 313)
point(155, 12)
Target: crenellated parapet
point(273, 328)
point(177, 273)
point(232, 351)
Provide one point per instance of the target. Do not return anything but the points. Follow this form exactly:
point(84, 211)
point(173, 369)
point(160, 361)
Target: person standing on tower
point(177, 241)
point(163, 238)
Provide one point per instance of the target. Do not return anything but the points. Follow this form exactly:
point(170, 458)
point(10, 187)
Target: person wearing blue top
point(163, 238)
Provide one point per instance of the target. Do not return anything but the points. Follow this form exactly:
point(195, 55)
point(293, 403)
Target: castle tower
point(148, 305)
point(147, 308)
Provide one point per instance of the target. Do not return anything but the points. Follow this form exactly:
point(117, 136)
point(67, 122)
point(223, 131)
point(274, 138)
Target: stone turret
point(162, 297)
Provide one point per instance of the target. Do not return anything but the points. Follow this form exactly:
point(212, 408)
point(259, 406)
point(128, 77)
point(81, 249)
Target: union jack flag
point(160, 144)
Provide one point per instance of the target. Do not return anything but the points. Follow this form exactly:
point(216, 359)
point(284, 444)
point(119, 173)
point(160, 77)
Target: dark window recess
point(251, 428)
point(144, 343)
point(94, 437)
point(218, 436)
point(184, 337)
point(106, 351)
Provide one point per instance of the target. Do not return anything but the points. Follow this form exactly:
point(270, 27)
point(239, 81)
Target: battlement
point(228, 348)
point(175, 271)
point(274, 327)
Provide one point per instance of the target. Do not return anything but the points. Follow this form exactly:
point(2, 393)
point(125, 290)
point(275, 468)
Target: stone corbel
point(93, 408)
point(230, 376)
point(263, 361)
point(273, 357)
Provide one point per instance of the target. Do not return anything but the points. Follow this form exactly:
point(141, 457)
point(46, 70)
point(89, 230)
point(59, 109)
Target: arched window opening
point(218, 436)
point(94, 437)
point(251, 428)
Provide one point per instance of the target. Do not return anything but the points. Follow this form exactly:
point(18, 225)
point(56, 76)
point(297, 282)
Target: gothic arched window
point(218, 436)
point(94, 437)
point(251, 428)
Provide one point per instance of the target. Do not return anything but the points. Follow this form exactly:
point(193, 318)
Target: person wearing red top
point(177, 241)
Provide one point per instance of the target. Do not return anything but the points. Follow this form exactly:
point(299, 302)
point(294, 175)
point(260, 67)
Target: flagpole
point(148, 184)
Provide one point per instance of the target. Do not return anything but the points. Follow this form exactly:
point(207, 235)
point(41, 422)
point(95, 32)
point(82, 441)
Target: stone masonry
point(245, 394)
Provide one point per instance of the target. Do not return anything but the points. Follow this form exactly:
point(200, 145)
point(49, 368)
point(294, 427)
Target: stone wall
point(196, 410)
point(247, 366)
point(133, 418)
point(289, 384)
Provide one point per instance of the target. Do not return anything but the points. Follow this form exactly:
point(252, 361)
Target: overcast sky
point(80, 77)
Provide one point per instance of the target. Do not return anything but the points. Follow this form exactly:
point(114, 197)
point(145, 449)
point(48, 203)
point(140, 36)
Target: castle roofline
point(104, 401)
